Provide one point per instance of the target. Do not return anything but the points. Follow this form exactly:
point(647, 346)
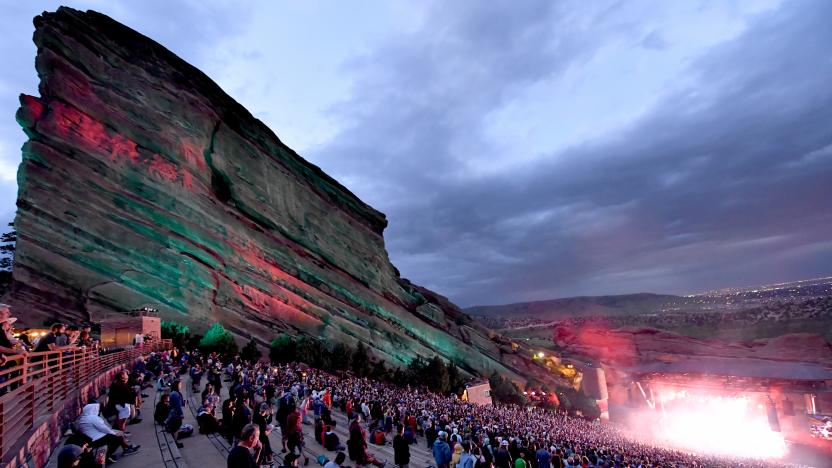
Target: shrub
point(218, 339)
point(251, 352)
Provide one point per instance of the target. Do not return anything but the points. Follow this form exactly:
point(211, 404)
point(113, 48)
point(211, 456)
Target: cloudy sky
point(529, 150)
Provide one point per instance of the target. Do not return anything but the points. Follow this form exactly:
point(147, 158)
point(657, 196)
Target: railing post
point(3, 428)
point(31, 413)
point(25, 371)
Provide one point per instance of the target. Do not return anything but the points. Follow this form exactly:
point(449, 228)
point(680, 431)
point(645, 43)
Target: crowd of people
point(263, 398)
point(455, 433)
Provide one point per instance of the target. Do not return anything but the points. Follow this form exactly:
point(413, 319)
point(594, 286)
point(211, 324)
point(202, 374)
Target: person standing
point(247, 451)
point(442, 451)
point(466, 460)
point(544, 458)
point(401, 448)
point(519, 462)
point(8, 347)
point(54, 340)
point(502, 459)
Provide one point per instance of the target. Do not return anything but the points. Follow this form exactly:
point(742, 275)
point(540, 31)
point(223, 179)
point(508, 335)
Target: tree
point(341, 357)
point(436, 377)
point(218, 339)
point(250, 351)
point(505, 391)
point(416, 371)
point(456, 382)
point(283, 349)
point(8, 242)
point(361, 365)
point(176, 332)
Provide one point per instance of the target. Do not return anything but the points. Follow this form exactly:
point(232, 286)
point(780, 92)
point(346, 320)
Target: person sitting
point(100, 433)
point(162, 409)
point(175, 414)
point(378, 436)
point(331, 440)
point(211, 395)
point(208, 424)
point(75, 456)
point(326, 416)
point(357, 446)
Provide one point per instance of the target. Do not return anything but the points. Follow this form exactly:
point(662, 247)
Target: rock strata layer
point(143, 183)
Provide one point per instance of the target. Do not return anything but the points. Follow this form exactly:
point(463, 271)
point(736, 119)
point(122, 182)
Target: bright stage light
point(716, 424)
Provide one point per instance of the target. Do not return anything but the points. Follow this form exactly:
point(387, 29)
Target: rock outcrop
point(144, 183)
point(636, 347)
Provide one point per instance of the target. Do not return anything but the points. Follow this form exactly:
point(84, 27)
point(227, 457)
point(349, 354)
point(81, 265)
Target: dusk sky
point(528, 150)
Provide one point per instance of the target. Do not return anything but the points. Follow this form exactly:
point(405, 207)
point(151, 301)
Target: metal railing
point(35, 386)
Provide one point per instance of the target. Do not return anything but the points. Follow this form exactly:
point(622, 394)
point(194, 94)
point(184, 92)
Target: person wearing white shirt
point(92, 425)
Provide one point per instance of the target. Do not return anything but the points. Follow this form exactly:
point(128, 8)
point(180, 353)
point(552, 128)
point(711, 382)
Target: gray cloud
point(724, 181)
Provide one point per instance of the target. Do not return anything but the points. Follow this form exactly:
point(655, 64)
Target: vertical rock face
point(144, 183)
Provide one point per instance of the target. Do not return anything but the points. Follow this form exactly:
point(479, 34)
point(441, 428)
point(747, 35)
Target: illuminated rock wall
point(143, 183)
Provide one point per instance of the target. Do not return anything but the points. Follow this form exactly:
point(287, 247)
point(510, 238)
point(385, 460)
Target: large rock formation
point(144, 183)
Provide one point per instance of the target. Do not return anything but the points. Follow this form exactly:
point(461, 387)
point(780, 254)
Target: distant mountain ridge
point(803, 306)
point(555, 309)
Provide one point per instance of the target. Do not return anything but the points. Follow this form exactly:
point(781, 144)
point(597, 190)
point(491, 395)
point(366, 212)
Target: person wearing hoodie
point(442, 451)
point(92, 425)
point(466, 460)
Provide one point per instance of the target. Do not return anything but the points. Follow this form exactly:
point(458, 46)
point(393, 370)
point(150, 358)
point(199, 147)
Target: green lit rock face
point(144, 183)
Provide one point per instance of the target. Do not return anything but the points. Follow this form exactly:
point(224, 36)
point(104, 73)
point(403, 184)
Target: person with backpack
point(466, 460)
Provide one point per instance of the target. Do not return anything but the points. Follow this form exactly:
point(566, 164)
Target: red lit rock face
point(650, 350)
point(144, 183)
